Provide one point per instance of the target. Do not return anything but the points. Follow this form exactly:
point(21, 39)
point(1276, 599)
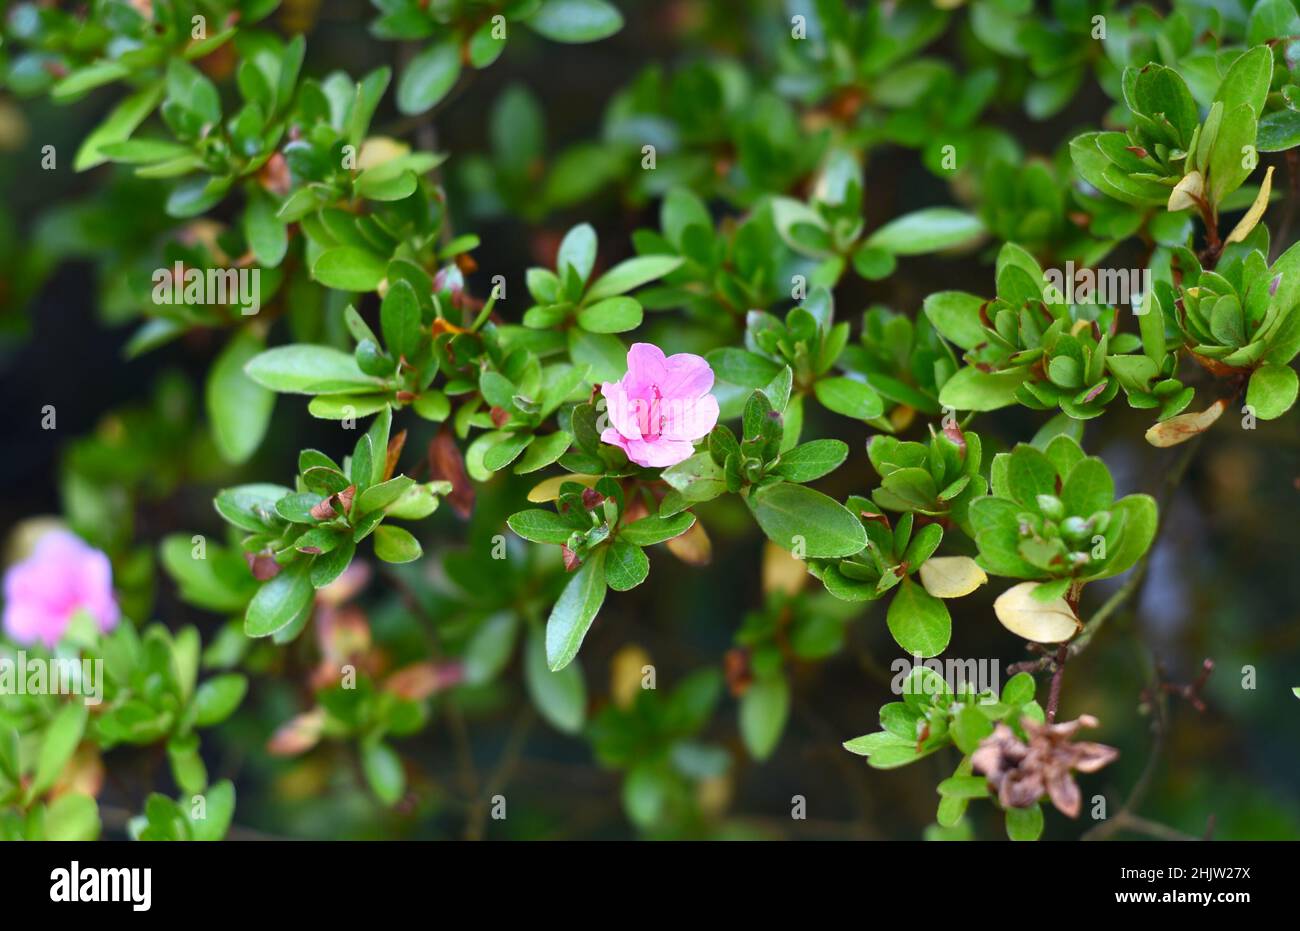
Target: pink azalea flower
point(61, 577)
point(660, 407)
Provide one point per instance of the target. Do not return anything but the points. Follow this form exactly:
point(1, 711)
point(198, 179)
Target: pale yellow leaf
point(782, 571)
point(1025, 616)
point(549, 489)
point(1256, 211)
point(951, 576)
point(692, 547)
point(380, 149)
point(1187, 191)
point(627, 670)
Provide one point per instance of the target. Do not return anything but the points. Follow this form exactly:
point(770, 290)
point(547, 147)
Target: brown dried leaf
point(692, 547)
point(1182, 428)
point(446, 463)
point(393, 453)
point(297, 735)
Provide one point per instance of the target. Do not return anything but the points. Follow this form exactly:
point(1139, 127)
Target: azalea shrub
point(573, 418)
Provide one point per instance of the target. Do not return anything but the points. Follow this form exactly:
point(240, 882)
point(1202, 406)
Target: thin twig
point(1054, 694)
point(500, 776)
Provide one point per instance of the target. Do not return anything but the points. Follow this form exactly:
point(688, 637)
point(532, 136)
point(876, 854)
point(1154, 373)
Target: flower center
point(649, 418)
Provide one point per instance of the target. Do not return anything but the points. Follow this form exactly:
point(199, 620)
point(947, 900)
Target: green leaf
point(928, 230)
point(394, 544)
point(576, 20)
point(279, 601)
point(399, 318)
point(9, 753)
point(267, 236)
point(603, 353)
point(613, 315)
point(325, 569)
point(849, 397)
point(560, 696)
point(1228, 157)
point(250, 507)
point(887, 751)
point(306, 369)
point(118, 126)
point(95, 74)
point(764, 710)
point(1025, 823)
point(540, 526)
point(743, 368)
point(1018, 690)
point(197, 195)
point(57, 746)
point(1272, 390)
point(575, 610)
point(969, 728)
point(384, 772)
point(381, 186)
point(542, 451)
point(346, 406)
point(506, 450)
point(429, 76)
point(626, 566)
point(956, 315)
point(973, 390)
point(632, 273)
point(654, 529)
point(383, 494)
point(432, 405)
point(1140, 521)
point(810, 461)
point(239, 409)
point(1088, 488)
point(578, 251)
point(217, 814)
point(965, 787)
point(919, 622)
point(1247, 80)
point(73, 817)
point(349, 268)
point(216, 699)
point(1279, 130)
point(798, 518)
point(488, 651)
point(698, 478)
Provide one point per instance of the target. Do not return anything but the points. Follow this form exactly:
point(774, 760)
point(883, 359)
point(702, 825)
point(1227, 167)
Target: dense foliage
point(353, 280)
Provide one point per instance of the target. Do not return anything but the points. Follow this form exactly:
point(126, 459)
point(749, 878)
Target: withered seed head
point(1022, 773)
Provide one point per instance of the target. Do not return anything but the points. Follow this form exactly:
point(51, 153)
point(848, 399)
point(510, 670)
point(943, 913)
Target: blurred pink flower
point(660, 407)
point(61, 577)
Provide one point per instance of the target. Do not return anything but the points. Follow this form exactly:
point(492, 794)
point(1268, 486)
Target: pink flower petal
point(614, 438)
point(659, 453)
point(621, 409)
point(691, 420)
point(61, 577)
point(646, 367)
point(688, 376)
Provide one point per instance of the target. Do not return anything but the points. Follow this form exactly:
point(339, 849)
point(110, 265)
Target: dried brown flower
point(1022, 773)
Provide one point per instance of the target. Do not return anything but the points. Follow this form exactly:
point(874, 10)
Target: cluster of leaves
point(764, 206)
point(301, 539)
point(146, 693)
point(931, 716)
point(474, 33)
point(930, 487)
point(1030, 345)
